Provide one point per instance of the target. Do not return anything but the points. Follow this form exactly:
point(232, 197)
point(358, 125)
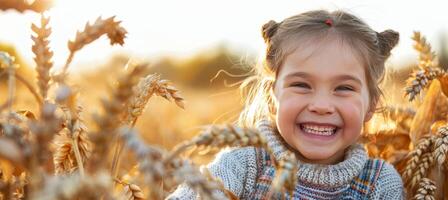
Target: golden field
point(136, 129)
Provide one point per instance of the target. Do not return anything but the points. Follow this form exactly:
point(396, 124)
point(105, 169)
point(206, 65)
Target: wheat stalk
point(427, 72)
point(144, 90)
point(426, 55)
point(81, 142)
point(7, 62)
point(30, 88)
point(71, 145)
point(220, 136)
point(43, 55)
point(188, 173)
point(426, 190)
point(91, 32)
point(204, 170)
point(75, 186)
point(23, 5)
point(165, 89)
point(156, 171)
point(441, 145)
point(130, 191)
point(420, 80)
point(133, 192)
point(62, 157)
point(148, 86)
point(44, 129)
point(82, 146)
point(111, 119)
point(67, 143)
point(149, 158)
point(415, 156)
point(422, 169)
point(285, 176)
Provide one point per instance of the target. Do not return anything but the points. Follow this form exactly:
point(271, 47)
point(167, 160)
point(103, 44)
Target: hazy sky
point(182, 27)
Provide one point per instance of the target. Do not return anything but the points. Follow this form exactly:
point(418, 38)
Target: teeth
point(319, 130)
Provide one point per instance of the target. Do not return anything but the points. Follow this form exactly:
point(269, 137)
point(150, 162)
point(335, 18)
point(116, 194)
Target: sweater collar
point(330, 176)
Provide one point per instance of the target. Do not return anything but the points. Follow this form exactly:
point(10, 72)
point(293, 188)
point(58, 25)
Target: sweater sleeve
point(235, 167)
point(389, 185)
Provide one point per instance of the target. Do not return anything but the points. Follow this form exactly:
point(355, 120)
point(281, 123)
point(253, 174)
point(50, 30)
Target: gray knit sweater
point(237, 168)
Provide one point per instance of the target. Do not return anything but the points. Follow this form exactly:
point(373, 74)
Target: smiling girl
point(312, 95)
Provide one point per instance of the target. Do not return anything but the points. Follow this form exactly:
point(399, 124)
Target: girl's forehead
point(326, 51)
point(327, 59)
point(308, 46)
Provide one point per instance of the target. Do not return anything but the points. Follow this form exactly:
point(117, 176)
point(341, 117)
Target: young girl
point(316, 89)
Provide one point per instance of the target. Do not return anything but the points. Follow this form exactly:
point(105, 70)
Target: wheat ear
point(130, 191)
point(91, 32)
point(427, 70)
point(285, 176)
point(145, 89)
point(441, 145)
point(426, 190)
point(420, 79)
point(111, 119)
point(62, 156)
point(23, 5)
point(42, 54)
point(426, 55)
point(220, 136)
point(414, 158)
point(422, 169)
point(156, 171)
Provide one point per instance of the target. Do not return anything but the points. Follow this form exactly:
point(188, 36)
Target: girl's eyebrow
point(341, 77)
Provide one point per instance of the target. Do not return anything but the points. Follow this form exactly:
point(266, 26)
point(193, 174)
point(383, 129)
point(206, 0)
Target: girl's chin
point(323, 157)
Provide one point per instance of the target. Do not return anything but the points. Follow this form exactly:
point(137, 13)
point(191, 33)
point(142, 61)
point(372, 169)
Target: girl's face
point(323, 100)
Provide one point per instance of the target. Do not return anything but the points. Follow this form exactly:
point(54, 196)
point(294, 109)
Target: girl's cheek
point(352, 109)
point(294, 100)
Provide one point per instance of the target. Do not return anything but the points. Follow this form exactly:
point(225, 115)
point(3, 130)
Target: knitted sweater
point(248, 172)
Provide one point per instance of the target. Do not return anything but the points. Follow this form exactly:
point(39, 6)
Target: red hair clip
point(329, 22)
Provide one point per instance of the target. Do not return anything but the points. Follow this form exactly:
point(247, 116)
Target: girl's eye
point(345, 87)
point(301, 85)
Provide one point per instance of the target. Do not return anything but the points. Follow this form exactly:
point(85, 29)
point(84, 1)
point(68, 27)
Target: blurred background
point(188, 42)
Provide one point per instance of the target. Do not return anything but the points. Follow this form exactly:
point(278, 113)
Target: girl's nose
point(321, 107)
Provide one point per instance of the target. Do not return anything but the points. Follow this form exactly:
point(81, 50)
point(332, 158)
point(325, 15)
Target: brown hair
point(373, 49)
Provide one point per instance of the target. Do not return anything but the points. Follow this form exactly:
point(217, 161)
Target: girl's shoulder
point(237, 168)
point(235, 154)
point(381, 179)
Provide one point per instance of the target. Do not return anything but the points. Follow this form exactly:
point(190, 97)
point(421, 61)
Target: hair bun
point(387, 40)
point(268, 30)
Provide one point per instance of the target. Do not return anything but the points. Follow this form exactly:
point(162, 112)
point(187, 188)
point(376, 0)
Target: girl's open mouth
point(327, 131)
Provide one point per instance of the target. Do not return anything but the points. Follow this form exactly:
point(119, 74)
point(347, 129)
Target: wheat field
point(61, 138)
